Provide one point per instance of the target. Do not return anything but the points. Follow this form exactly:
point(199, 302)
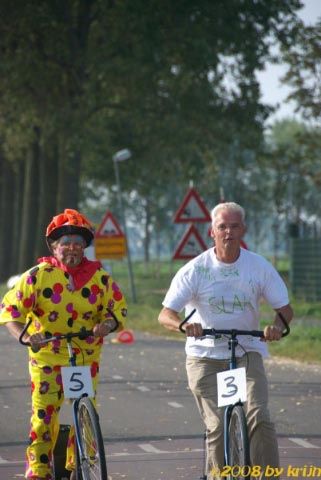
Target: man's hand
point(272, 332)
point(193, 330)
point(35, 341)
point(104, 328)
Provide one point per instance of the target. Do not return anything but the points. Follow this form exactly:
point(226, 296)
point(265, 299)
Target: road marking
point(302, 443)
point(147, 447)
point(117, 377)
point(175, 405)
point(143, 389)
point(148, 450)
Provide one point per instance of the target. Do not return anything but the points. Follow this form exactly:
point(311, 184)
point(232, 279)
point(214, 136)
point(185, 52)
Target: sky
point(273, 92)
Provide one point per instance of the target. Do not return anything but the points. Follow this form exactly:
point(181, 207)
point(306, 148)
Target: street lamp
point(121, 156)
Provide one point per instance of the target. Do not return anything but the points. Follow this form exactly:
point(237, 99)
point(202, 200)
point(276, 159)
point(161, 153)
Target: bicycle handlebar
point(186, 320)
point(234, 332)
point(82, 334)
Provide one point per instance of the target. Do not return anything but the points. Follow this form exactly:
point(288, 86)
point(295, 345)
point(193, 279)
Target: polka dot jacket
point(45, 294)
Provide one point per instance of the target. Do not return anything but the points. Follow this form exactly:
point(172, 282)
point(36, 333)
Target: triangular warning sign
point(190, 245)
point(192, 209)
point(109, 227)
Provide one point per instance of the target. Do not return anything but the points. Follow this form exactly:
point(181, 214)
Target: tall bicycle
point(90, 452)
point(236, 443)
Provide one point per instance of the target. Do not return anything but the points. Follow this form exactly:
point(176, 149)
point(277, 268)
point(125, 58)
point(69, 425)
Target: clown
point(62, 293)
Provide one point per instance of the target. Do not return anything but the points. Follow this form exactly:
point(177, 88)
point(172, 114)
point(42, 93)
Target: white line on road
point(117, 377)
point(302, 443)
point(148, 450)
point(175, 405)
point(143, 389)
point(147, 447)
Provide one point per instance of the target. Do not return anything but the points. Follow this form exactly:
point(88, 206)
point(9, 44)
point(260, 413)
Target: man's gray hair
point(231, 207)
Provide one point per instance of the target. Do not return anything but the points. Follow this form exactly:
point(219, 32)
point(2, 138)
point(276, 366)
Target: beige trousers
point(201, 373)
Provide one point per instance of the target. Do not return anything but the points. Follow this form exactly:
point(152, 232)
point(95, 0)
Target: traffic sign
point(110, 247)
point(192, 209)
point(109, 227)
point(190, 245)
point(110, 242)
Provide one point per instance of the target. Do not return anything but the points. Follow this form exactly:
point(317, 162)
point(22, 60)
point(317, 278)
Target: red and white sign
point(109, 227)
point(190, 245)
point(192, 209)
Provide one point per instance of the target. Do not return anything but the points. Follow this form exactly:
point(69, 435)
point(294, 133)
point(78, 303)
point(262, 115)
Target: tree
point(293, 180)
point(179, 112)
point(44, 46)
point(173, 81)
point(303, 57)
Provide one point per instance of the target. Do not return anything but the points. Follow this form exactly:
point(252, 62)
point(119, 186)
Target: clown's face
point(69, 250)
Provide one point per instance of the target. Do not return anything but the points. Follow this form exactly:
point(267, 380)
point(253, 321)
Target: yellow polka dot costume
point(46, 295)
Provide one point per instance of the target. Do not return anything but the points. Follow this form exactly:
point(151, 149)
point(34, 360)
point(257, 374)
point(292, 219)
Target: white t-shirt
point(226, 295)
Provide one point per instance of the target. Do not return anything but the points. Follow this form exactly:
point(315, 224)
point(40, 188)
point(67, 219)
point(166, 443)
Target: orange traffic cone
point(125, 336)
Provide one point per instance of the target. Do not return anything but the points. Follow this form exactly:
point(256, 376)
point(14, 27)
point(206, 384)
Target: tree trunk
point(147, 234)
point(30, 205)
point(48, 179)
point(17, 201)
point(6, 219)
point(69, 165)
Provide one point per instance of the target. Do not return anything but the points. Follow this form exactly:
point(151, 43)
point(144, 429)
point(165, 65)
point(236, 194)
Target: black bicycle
point(90, 452)
point(237, 464)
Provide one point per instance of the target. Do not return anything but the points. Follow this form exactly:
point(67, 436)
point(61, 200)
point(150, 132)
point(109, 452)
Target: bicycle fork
point(232, 344)
point(227, 417)
point(78, 443)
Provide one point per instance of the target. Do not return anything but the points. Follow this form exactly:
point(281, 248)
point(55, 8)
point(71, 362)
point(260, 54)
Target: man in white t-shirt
point(225, 285)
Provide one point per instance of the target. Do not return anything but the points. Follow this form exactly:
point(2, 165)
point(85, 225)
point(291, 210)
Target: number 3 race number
point(231, 387)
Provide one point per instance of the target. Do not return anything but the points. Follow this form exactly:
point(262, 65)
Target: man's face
point(228, 229)
point(69, 250)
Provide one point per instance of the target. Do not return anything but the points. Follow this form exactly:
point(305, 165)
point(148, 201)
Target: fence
point(305, 268)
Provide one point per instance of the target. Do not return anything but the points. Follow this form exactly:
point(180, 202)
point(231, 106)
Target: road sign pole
point(122, 215)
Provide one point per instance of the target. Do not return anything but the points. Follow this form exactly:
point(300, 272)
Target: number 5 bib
point(77, 381)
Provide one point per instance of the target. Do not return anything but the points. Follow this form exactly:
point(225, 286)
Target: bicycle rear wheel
point(93, 462)
point(239, 449)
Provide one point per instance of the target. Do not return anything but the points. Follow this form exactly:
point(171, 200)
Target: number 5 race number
point(77, 381)
point(231, 387)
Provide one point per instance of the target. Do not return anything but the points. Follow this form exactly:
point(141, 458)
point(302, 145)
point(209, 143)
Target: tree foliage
point(173, 81)
point(303, 58)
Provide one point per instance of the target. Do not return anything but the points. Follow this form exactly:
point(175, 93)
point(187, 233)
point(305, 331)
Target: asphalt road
point(152, 429)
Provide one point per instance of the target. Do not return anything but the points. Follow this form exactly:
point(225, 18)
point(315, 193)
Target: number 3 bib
point(231, 387)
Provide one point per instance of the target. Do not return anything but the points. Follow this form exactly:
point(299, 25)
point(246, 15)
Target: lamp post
point(121, 156)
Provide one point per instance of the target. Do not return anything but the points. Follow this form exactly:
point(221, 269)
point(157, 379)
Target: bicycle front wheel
point(239, 450)
point(93, 461)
